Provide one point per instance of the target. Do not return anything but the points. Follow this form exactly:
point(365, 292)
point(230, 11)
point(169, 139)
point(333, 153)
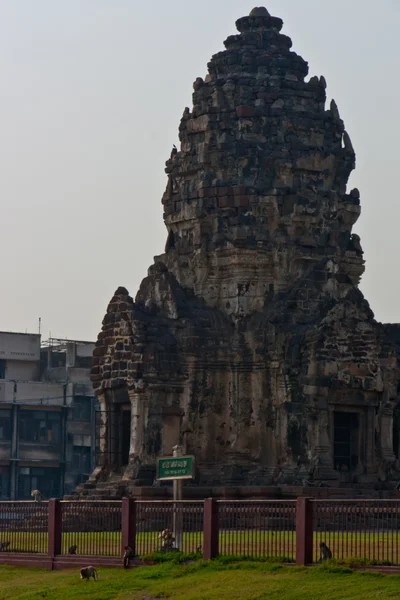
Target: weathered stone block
point(246, 111)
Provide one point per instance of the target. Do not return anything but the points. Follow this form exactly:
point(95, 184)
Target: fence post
point(128, 524)
point(54, 528)
point(210, 529)
point(304, 531)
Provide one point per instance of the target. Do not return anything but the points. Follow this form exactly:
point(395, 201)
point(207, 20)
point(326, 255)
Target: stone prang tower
point(249, 342)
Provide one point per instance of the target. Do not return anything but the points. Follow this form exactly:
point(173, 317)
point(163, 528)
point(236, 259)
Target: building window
point(396, 431)
point(81, 408)
point(82, 440)
point(81, 459)
point(45, 479)
point(40, 426)
point(84, 362)
point(5, 425)
point(3, 364)
point(4, 483)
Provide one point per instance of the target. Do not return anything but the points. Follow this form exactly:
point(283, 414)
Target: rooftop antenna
point(40, 324)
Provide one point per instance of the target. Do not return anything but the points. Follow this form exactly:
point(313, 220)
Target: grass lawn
point(219, 580)
point(380, 547)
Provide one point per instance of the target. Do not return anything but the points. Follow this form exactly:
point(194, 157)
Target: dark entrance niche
point(121, 425)
point(396, 431)
point(113, 430)
point(125, 436)
point(346, 441)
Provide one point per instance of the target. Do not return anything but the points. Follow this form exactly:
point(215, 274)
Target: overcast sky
point(92, 92)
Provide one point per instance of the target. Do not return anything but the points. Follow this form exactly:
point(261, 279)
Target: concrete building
point(47, 417)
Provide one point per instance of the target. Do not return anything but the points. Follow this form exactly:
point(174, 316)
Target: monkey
point(72, 549)
point(37, 495)
point(4, 546)
point(88, 572)
point(199, 549)
point(325, 552)
point(198, 83)
point(127, 555)
point(168, 539)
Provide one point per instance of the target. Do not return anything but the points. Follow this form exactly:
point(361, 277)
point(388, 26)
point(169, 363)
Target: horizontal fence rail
point(363, 529)
point(91, 527)
point(154, 517)
point(257, 528)
point(24, 527)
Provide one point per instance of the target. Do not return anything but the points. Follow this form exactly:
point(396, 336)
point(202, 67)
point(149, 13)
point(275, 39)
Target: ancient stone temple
point(249, 342)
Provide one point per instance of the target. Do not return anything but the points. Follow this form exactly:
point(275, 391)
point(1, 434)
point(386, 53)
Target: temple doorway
point(125, 435)
point(346, 441)
point(396, 431)
point(113, 436)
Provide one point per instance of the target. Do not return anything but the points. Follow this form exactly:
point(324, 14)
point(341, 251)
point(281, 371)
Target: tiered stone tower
point(249, 342)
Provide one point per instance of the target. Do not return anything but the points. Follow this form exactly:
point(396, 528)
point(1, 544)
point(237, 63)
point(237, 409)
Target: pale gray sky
point(92, 92)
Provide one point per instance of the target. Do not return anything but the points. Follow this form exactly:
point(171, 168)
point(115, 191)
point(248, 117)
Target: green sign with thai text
point(175, 467)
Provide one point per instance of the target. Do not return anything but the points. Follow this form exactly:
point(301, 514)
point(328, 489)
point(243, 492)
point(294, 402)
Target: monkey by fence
point(325, 552)
point(37, 495)
point(89, 572)
point(128, 554)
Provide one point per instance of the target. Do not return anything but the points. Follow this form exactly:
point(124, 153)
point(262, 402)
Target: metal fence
point(257, 528)
point(91, 527)
point(358, 529)
point(153, 517)
point(24, 527)
point(287, 530)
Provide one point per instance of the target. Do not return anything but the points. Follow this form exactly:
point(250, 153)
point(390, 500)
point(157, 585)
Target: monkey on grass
point(72, 549)
point(88, 572)
point(325, 552)
point(4, 546)
point(129, 553)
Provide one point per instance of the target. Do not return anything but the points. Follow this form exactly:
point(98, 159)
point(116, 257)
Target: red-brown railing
point(91, 527)
point(363, 529)
point(257, 528)
point(24, 527)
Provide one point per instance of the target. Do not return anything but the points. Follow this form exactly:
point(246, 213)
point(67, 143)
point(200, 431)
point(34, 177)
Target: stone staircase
point(114, 488)
point(111, 489)
point(368, 490)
